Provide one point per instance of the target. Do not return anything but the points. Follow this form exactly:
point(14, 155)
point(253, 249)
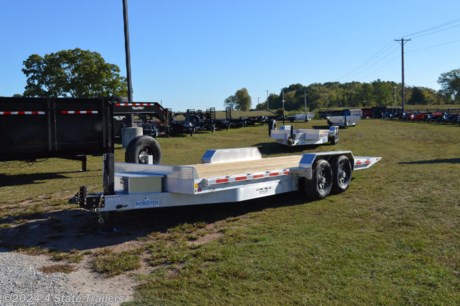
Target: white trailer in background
point(350, 118)
point(226, 175)
point(287, 135)
point(301, 117)
point(342, 121)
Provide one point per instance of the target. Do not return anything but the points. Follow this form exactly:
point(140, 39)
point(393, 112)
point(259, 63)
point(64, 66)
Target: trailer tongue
point(226, 175)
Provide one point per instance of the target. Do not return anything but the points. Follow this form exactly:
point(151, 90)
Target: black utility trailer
point(71, 128)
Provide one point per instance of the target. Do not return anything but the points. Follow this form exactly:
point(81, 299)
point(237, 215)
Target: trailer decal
point(134, 104)
point(21, 113)
point(228, 179)
point(146, 202)
point(79, 112)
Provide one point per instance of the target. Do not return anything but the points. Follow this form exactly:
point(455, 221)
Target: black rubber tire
point(341, 169)
point(195, 120)
point(320, 185)
point(334, 140)
point(140, 147)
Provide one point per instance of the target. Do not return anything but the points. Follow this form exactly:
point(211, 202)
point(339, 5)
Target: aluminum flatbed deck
point(245, 167)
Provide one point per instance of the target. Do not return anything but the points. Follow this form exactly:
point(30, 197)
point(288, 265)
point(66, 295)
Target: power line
point(388, 49)
point(385, 64)
point(371, 61)
point(435, 46)
point(435, 29)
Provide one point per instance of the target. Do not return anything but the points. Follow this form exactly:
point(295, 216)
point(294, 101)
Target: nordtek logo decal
point(146, 202)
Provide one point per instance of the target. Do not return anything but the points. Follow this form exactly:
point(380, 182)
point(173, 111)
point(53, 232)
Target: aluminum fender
point(305, 168)
point(365, 162)
point(307, 161)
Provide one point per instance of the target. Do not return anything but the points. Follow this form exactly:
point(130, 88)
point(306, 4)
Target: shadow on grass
point(272, 148)
point(79, 230)
point(433, 161)
point(321, 127)
point(32, 178)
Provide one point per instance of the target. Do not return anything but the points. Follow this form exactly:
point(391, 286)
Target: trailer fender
point(140, 148)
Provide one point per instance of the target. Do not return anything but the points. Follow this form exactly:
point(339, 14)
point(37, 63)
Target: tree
point(274, 101)
point(450, 85)
point(230, 102)
point(241, 100)
point(383, 92)
point(72, 73)
point(417, 97)
point(422, 95)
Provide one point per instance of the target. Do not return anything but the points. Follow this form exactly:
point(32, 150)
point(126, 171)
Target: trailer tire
point(334, 139)
point(140, 148)
point(320, 185)
point(341, 169)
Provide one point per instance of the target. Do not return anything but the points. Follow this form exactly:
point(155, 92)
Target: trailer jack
point(86, 201)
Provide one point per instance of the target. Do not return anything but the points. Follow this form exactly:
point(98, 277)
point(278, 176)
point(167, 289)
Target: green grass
point(111, 264)
point(392, 238)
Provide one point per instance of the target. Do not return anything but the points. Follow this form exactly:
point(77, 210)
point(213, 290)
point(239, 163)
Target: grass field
point(392, 238)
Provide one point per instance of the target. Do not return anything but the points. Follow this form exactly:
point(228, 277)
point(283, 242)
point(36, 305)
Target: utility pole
point(403, 91)
point(128, 60)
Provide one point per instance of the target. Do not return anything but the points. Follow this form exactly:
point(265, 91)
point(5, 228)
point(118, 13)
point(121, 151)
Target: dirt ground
point(74, 230)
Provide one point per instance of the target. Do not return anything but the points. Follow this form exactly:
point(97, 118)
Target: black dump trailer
point(71, 128)
point(155, 120)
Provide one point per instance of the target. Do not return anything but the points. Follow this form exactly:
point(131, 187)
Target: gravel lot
point(22, 283)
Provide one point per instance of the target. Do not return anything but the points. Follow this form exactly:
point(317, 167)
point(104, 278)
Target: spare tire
point(140, 148)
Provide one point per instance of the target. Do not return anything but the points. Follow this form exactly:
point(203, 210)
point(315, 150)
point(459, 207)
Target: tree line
point(85, 74)
point(357, 94)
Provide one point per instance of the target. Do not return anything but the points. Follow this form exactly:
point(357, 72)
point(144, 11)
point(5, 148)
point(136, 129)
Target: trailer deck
point(268, 164)
point(209, 176)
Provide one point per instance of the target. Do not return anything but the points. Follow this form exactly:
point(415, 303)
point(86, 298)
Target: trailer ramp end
point(365, 162)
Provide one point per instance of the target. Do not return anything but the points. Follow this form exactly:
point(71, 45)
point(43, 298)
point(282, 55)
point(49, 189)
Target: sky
point(194, 54)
